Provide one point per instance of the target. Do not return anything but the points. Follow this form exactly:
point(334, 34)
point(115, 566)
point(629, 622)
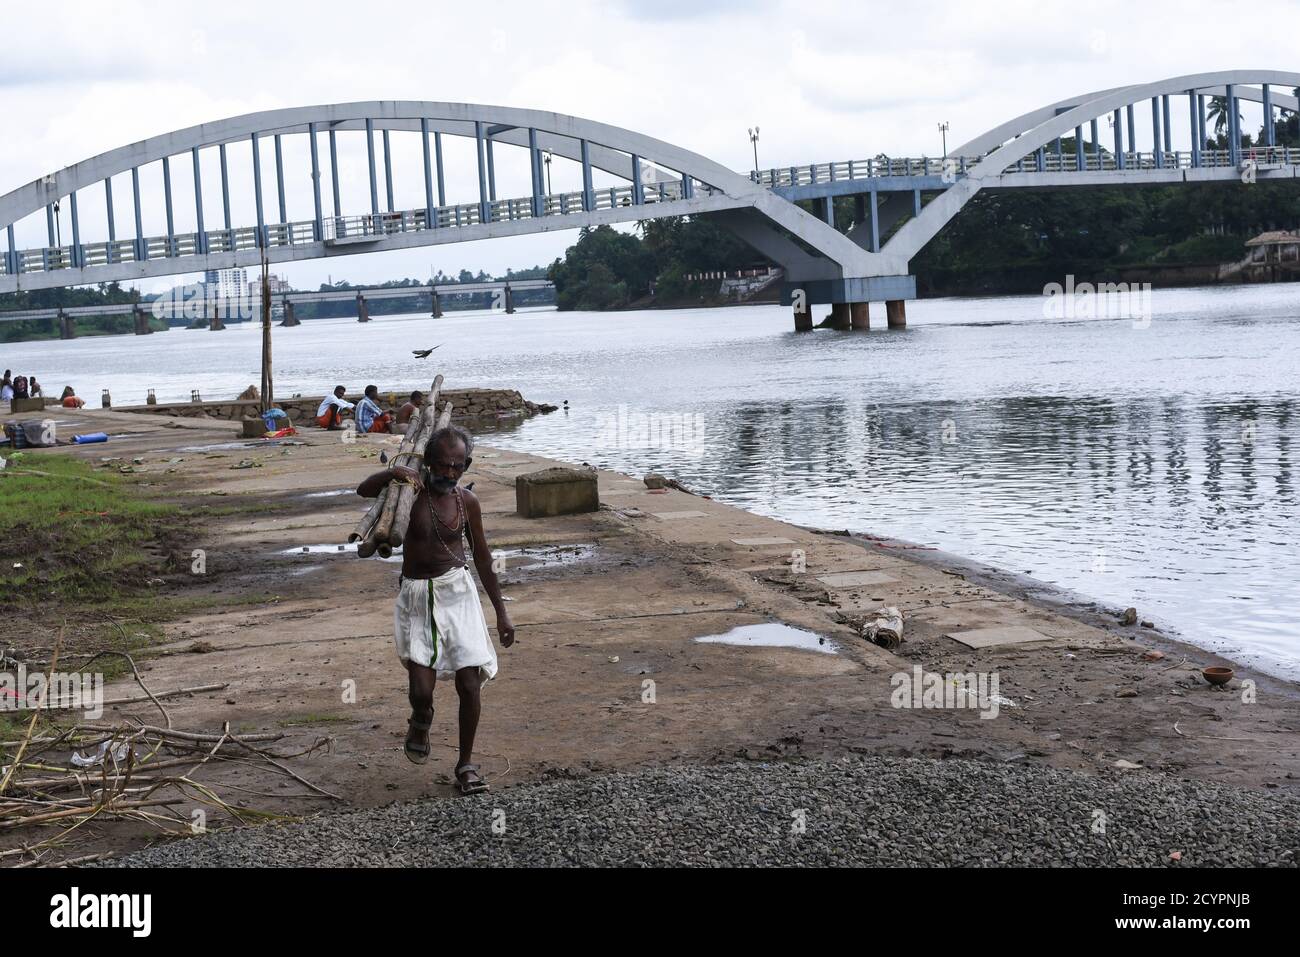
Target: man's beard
point(440, 486)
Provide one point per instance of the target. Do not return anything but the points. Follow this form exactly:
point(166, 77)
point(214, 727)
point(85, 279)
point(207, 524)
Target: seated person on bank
point(330, 413)
point(370, 416)
point(409, 409)
point(69, 399)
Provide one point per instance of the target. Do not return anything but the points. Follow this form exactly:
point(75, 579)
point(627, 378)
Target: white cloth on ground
point(455, 635)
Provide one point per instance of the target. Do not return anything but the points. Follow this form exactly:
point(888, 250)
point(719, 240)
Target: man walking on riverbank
point(439, 628)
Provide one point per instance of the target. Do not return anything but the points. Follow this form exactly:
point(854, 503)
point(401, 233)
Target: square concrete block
point(556, 491)
point(852, 579)
point(996, 637)
point(27, 405)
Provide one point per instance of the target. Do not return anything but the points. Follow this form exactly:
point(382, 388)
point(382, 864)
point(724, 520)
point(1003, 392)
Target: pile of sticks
point(384, 526)
point(135, 772)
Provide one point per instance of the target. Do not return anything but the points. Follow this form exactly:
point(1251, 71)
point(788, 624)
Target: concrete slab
point(995, 637)
point(763, 541)
point(670, 516)
point(853, 579)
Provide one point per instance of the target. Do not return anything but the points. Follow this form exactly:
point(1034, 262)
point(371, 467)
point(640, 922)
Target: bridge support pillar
point(215, 324)
point(839, 317)
point(896, 313)
point(437, 307)
point(141, 322)
point(290, 318)
point(860, 315)
point(803, 321)
point(510, 301)
point(363, 311)
point(67, 327)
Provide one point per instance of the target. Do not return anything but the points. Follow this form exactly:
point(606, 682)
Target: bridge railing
point(1053, 162)
point(1046, 161)
point(817, 173)
point(368, 225)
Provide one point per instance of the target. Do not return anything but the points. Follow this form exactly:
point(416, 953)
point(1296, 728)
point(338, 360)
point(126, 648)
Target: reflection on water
point(1149, 467)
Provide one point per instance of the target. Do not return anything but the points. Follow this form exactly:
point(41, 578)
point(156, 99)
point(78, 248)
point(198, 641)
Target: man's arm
point(483, 563)
point(374, 484)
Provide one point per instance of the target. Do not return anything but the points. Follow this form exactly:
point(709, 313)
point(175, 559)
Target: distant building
point(1275, 247)
point(1270, 257)
point(277, 284)
point(226, 283)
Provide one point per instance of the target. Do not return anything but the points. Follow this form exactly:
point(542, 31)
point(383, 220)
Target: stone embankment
point(469, 404)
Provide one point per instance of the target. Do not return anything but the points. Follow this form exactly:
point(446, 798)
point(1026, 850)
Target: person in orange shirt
point(70, 400)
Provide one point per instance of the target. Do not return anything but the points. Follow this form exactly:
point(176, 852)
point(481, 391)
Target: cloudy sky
point(822, 80)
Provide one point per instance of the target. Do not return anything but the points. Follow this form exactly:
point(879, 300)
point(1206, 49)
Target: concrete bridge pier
point(290, 319)
point(215, 324)
point(363, 311)
point(67, 327)
point(437, 307)
point(860, 316)
point(896, 313)
point(141, 318)
point(839, 317)
point(803, 321)
point(510, 301)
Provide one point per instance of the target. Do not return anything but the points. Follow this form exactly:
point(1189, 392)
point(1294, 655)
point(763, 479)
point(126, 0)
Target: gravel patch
point(872, 811)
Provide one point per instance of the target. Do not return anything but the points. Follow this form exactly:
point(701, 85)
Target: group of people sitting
point(25, 387)
point(369, 415)
point(18, 387)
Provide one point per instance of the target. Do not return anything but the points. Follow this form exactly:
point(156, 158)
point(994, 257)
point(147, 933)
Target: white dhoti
point(439, 623)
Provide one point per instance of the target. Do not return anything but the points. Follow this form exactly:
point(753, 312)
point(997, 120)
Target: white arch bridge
point(625, 177)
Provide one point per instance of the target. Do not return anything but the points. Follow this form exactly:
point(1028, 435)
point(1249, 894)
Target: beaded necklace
point(458, 528)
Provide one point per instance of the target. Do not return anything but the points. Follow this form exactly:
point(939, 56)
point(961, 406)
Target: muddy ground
point(606, 673)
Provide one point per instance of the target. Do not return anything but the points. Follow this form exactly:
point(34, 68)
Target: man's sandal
point(416, 751)
point(465, 786)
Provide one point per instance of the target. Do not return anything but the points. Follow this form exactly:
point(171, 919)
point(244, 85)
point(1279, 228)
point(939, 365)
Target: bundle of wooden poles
point(384, 526)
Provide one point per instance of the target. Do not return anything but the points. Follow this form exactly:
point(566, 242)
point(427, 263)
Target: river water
point(1140, 464)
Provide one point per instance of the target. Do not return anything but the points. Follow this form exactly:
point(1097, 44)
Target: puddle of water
point(221, 447)
point(337, 491)
point(349, 548)
point(772, 635)
point(225, 446)
point(545, 556)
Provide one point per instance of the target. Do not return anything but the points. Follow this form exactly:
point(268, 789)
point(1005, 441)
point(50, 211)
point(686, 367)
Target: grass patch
point(72, 534)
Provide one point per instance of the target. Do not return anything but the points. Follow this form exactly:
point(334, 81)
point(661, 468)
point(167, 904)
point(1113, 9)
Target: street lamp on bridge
point(943, 130)
point(546, 158)
point(753, 139)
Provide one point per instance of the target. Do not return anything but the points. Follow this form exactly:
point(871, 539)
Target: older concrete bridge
point(218, 311)
point(901, 204)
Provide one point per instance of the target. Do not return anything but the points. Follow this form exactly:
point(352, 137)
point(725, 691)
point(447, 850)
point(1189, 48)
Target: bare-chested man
point(438, 622)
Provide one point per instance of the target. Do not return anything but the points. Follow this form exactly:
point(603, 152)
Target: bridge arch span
point(660, 179)
point(994, 156)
